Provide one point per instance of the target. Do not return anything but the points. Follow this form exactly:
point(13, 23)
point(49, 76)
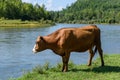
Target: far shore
point(19, 23)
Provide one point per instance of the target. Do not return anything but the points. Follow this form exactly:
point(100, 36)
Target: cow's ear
point(42, 39)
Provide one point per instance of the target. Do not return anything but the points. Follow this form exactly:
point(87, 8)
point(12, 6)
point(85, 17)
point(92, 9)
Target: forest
point(82, 11)
point(16, 9)
point(89, 11)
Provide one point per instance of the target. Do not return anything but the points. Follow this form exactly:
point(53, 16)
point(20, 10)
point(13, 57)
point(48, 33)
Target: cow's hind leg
point(65, 60)
point(99, 48)
point(91, 56)
point(101, 55)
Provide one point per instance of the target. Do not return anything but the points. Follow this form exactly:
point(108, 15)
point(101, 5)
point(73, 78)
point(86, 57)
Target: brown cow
point(66, 40)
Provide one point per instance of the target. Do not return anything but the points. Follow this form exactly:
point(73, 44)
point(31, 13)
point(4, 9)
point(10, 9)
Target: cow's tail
point(95, 50)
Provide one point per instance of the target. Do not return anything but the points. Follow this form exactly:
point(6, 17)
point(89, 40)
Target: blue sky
point(52, 4)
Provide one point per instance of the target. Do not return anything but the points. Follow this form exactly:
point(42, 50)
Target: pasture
point(110, 71)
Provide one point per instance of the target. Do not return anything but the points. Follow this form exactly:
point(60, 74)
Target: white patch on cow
point(34, 49)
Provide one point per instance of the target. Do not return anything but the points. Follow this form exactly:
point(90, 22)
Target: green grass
point(111, 71)
point(19, 23)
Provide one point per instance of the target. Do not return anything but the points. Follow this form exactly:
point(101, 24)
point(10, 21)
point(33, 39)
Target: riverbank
point(110, 71)
point(19, 23)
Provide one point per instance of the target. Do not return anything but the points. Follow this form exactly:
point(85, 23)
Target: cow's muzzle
point(34, 50)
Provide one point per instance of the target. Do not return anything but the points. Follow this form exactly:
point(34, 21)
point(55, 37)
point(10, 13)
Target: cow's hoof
point(88, 64)
point(64, 70)
point(102, 65)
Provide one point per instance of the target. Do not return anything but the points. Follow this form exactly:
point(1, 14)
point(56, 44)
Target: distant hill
point(89, 11)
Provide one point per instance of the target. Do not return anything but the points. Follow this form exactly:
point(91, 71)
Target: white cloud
point(60, 8)
point(29, 1)
point(49, 4)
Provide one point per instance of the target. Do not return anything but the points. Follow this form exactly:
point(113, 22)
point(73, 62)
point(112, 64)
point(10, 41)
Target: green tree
point(85, 11)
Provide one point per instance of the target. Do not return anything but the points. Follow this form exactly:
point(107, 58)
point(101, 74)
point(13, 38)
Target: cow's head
point(39, 45)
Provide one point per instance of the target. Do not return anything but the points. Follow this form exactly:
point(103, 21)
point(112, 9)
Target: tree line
point(16, 9)
point(89, 11)
point(82, 11)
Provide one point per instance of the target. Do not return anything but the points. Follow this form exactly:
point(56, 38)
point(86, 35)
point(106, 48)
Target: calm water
point(16, 48)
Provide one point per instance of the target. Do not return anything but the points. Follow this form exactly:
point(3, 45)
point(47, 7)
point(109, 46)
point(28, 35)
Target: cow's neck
point(50, 43)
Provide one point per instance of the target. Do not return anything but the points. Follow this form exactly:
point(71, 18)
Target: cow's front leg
point(65, 60)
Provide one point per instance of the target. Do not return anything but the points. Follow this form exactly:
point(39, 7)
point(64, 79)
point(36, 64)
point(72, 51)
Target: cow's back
point(77, 39)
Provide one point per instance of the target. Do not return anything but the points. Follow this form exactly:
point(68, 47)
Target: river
point(16, 48)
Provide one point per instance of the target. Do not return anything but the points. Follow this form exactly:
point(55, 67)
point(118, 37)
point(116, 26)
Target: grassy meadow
point(19, 23)
point(111, 71)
